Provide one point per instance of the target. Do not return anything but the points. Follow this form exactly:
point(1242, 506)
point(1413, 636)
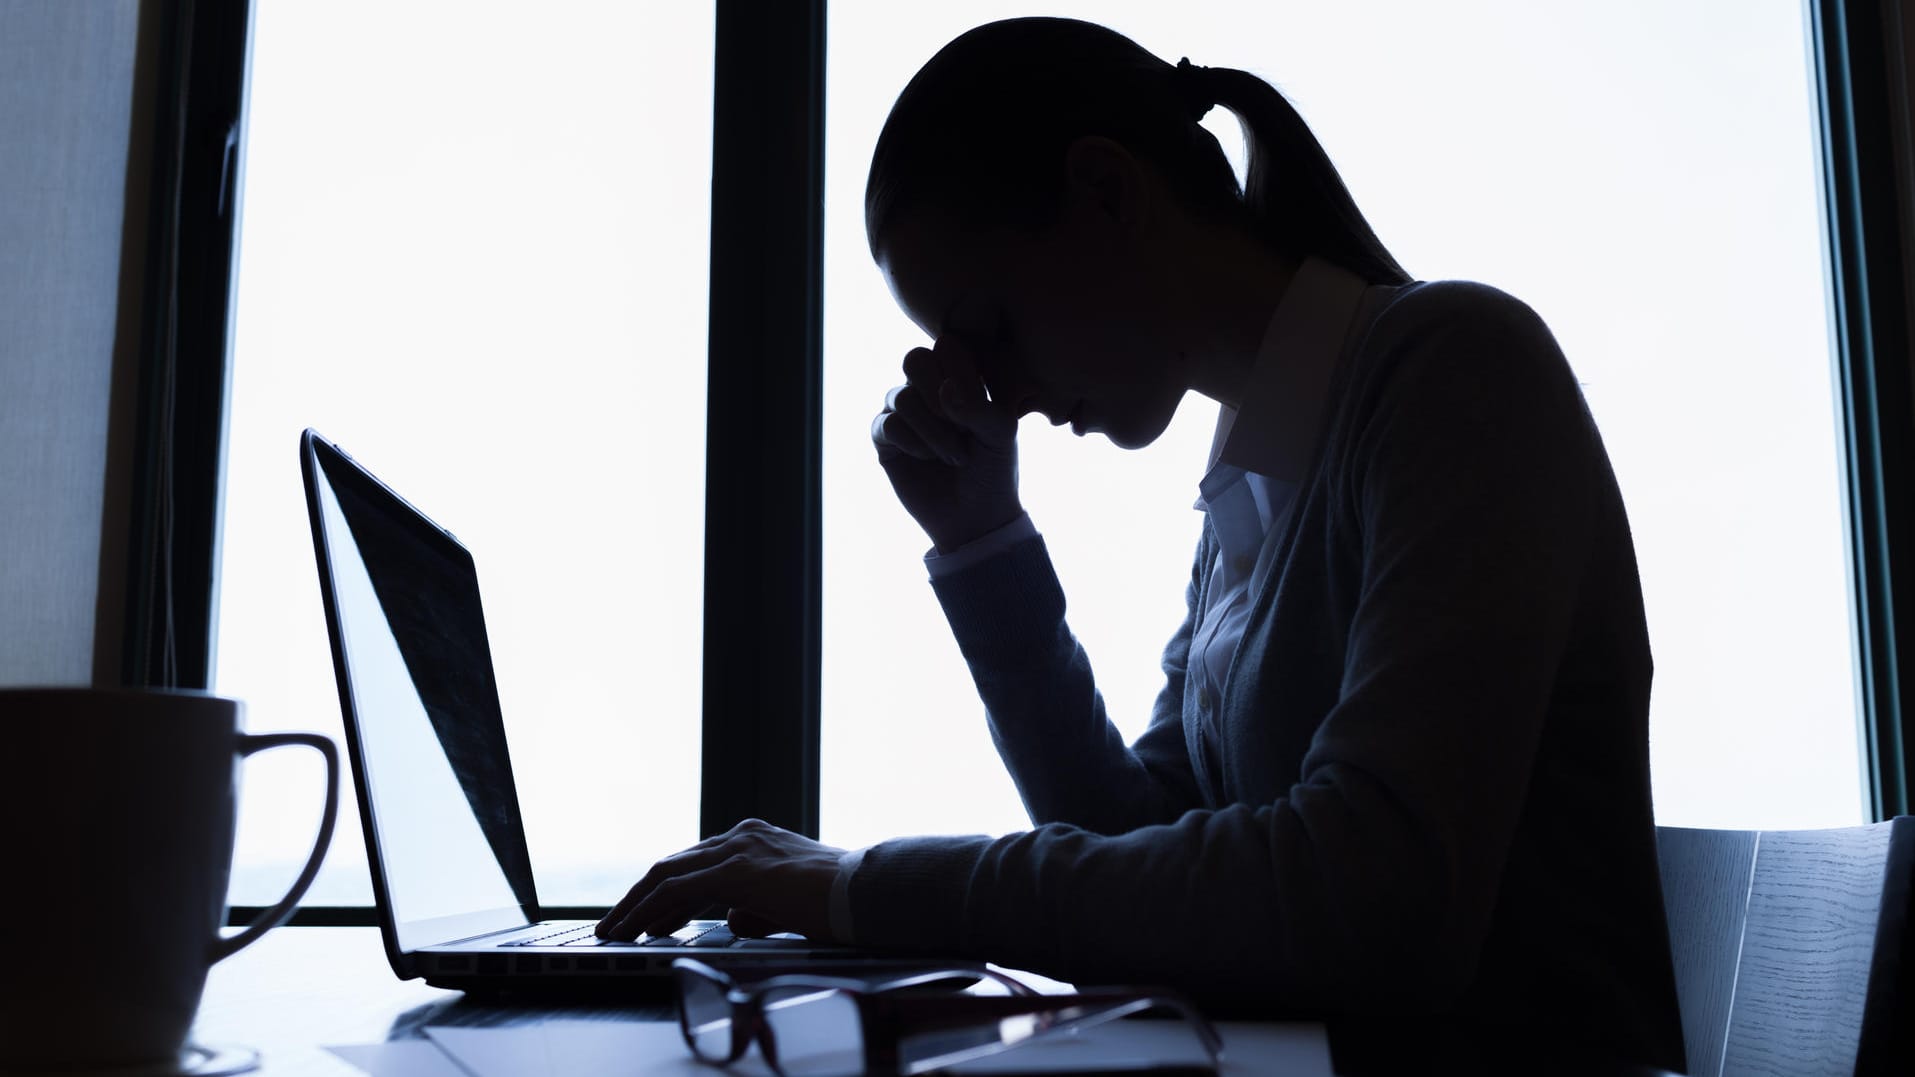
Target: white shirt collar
point(1274, 430)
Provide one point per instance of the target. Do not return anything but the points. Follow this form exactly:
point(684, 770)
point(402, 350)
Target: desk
point(301, 989)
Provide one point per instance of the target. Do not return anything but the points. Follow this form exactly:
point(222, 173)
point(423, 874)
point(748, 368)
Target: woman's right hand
point(949, 451)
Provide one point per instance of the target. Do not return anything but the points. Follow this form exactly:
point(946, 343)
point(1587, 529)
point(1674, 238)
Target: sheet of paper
point(400, 1058)
point(514, 1051)
point(1290, 1047)
point(641, 1048)
point(572, 1047)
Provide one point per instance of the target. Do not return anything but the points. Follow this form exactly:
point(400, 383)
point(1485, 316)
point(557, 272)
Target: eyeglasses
point(885, 1022)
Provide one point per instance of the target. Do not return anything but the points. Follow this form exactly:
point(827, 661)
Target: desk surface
point(300, 989)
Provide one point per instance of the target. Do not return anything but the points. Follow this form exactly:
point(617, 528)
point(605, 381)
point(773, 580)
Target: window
point(428, 206)
point(473, 253)
point(1644, 175)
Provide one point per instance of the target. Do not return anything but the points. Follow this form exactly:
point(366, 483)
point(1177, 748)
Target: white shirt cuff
point(981, 548)
point(841, 895)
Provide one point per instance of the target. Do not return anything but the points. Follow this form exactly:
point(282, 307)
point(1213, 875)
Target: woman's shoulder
point(1475, 346)
point(1464, 307)
point(1469, 329)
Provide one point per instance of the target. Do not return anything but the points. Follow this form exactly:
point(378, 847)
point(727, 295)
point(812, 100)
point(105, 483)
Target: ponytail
point(1295, 198)
point(980, 132)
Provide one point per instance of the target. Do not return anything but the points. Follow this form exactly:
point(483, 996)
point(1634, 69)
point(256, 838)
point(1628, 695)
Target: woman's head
point(1010, 168)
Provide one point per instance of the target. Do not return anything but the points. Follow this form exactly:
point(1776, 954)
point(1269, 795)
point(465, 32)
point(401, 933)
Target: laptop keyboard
point(554, 938)
point(693, 935)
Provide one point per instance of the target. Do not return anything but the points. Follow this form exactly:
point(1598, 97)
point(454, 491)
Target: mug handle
point(248, 744)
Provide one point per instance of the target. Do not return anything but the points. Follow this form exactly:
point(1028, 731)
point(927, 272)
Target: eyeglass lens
point(817, 1032)
point(707, 1015)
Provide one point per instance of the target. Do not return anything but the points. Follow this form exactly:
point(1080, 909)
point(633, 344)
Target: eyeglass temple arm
point(909, 1013)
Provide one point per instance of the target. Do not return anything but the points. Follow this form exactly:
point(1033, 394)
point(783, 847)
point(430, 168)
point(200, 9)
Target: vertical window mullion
point(1857, 72)
point(762, 504)
point(171, 443)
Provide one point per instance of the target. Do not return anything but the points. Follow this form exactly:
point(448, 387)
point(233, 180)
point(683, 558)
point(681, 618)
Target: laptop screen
point(446, 842)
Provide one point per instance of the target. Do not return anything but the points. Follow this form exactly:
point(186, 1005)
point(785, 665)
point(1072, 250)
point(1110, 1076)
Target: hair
point(981, 132)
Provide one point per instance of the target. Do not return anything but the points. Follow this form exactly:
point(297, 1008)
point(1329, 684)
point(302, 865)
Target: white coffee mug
point(117, 817)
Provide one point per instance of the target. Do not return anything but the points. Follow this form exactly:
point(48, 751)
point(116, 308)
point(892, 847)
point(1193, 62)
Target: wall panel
point(66, 94)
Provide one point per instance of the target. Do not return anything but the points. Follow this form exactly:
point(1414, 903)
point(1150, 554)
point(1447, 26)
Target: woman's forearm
point(1068, 760)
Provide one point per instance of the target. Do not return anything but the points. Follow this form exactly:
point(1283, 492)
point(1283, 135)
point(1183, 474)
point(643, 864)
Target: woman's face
point(1068, 323)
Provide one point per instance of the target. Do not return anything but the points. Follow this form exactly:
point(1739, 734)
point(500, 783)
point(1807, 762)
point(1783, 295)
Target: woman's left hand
point(772, 879)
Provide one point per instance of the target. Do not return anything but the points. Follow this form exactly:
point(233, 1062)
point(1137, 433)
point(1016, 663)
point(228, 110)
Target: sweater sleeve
point(1371, 883)
point(1070, 764)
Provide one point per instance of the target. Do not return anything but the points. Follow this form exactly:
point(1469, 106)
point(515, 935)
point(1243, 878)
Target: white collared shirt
point(1244, 508)
point(1261, 451)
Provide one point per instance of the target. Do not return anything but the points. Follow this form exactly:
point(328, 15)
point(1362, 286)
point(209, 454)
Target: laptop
point(451, 874)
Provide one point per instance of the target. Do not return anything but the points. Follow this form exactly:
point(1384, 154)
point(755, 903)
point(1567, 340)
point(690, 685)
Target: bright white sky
point(473, 251)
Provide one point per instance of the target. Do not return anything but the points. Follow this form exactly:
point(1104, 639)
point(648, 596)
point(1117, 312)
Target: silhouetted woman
point(1398, 774)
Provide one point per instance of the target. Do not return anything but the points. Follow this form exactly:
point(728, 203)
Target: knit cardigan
point(1428, 819)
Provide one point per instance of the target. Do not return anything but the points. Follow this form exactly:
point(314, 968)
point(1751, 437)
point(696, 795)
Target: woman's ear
point(1106, 190)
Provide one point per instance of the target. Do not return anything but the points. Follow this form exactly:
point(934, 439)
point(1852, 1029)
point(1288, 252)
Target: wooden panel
point(1705, 887)
point(1809, 938)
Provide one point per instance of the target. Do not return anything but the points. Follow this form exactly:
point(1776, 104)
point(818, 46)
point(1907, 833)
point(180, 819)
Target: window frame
point(763, 506)
point(1861, 90)
point(192, 56)
point(763, 558)
point(763, 515)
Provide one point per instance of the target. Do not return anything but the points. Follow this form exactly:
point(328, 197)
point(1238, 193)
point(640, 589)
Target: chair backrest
point(1792, 948)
